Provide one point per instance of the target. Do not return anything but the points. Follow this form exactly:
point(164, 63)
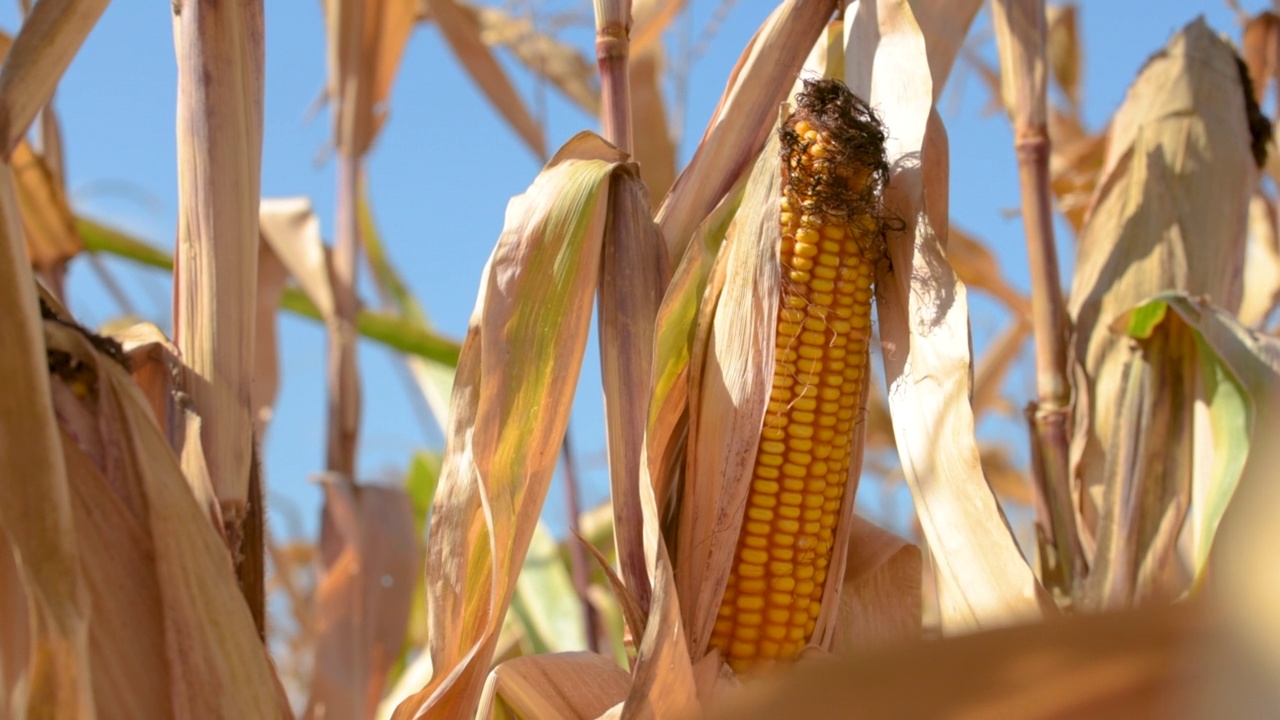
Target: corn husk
point(983, 580)
point(561, 685)
point(1170, 214)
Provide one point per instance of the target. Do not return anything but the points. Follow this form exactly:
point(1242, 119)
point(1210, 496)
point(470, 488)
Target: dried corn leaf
point(1116, 665)
point(366, 41)
point(510, 407)
point(156, 368)
point(50, 669)
point(990, 374)
point(983, 579)
point(50, 37)
point(1261, 263)
point(1169, 214)
point(880, 602)
point(462, 31)
point(47, 222)
point(557, 62)
point(742, 121)
point(563, 685)
point(292, 231)
point(653, 17)
point(1262, 52)
point(156, 569)
point(633, 274)
point(1063, 49)
point(362, 599)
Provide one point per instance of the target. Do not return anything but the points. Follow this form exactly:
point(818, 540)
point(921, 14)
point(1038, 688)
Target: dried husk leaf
point(51, 668)
point(742, 121)
point(50, 37)
point(880, 602)
point(462, 31)
point(982, 577)
point(220, 94)
point(562, 685)
point(1170, 214)
point(515, 382)
point(1261, 263)
point(47, 222)
point(730, 377)
point(156, 569)
point(363, 599)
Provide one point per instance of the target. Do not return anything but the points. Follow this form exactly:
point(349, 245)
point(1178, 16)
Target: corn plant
point(742, 303)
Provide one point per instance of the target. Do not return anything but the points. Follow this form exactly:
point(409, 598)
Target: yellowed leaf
point(511, 398)
point(47, 222)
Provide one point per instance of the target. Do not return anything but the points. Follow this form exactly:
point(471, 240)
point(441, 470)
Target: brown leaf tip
point(833, 155)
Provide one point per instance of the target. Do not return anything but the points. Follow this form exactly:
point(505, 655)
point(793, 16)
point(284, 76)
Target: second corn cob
point(833, 169)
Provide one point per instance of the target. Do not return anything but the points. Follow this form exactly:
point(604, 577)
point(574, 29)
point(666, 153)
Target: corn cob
point(833, 169)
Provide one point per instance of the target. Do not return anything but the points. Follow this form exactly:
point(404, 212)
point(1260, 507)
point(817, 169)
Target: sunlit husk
point(983, 580)
point(1170, 214)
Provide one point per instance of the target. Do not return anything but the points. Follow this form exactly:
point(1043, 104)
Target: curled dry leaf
point(976, 267)
point(515, 382)
point(982, 578)
point(1170, 213)
point(1115, 665)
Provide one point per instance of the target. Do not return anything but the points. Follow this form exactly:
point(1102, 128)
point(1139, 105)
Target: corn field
point(785, 332)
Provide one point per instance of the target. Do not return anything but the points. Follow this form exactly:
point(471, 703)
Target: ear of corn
point(833, 168)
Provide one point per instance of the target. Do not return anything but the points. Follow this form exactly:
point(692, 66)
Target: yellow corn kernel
point(833, 152)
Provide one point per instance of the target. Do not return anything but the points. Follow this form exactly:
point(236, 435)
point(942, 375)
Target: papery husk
point(510, 407)
point(731, 371)
point(157, 573)
point(983, 580)
point(1169, 214)
point(561, 685)
point(744, 118)
point(45, 664)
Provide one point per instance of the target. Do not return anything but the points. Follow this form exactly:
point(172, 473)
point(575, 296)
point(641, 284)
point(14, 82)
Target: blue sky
point(442, 172)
